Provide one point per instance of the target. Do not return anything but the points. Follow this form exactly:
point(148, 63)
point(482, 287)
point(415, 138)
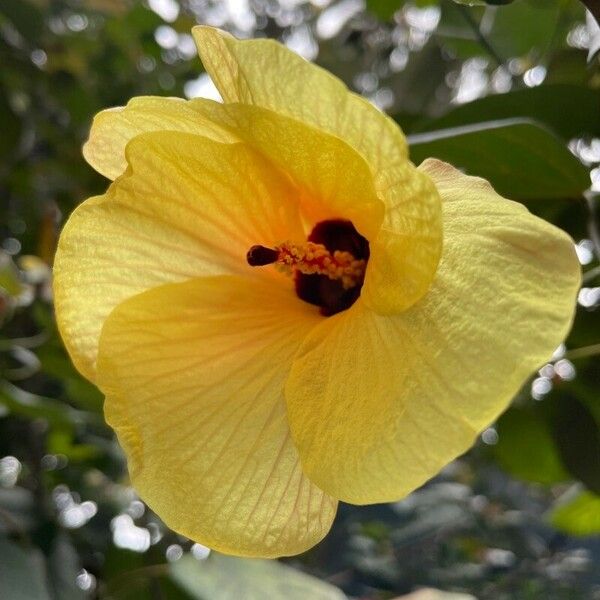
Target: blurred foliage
point(578, 514)
point(510, 93)
point(535, 163)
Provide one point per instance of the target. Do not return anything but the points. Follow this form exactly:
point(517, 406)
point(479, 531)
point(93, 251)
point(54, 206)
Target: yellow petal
point(404, 228)
point(342, 393)
point(193, 374)
point(406, 252)
point(113, 128)
point(187, 207)
point(334, 180)
point(428, 380)
point(267, 74)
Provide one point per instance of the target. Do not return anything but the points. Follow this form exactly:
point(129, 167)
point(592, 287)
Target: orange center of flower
point(328, 269)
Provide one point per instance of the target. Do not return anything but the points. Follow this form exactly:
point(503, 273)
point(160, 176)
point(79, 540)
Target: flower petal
point(187, 207)
point(377, 405)
point(113, 128)
point(265, 73)
point(334, 179)
point(193, 374)
point(407, 250)
point(404, 228)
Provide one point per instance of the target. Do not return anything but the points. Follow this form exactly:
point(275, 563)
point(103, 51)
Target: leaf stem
point(474, 25)
point(584, 352)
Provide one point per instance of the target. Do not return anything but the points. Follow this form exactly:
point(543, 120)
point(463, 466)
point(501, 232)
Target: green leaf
point(12, 128)
point(22, 572)
point(569, 110)
point(526, 449)
point(456, 31)
point(577, 438)
point(568, 66)
point(33, 406)
point(9, 274)
point(519, 157)
point(222, 577)
point(62, 441)
point(385, 9)
point(56, 363)
point(483, 2)
point(525, 28)
point(25, 17)
point(577, 513)
point(109, 7)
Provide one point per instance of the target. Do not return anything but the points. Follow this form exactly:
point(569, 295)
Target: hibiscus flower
point(284, 312)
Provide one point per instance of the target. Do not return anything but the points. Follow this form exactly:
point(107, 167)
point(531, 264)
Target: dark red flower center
point(328, 270)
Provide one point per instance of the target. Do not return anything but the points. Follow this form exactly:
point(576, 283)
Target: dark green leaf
point(385, 9)
point(520, 158)
point(577, 438)
point(11, 128)
point(483, 2)
point(524, 27)
point(33, 406)
point(585, 328)
point(577, 513)
point(25, 17)
point(568, 66)
point(570, 110)
point(118, 561)
point(456, 32)
point(55, 362)
point(526, 449)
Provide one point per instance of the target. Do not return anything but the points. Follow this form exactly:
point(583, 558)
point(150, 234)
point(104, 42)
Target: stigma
point(310, 258)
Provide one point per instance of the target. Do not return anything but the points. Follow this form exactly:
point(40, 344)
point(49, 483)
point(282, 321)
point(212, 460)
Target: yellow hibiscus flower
point(264, 297)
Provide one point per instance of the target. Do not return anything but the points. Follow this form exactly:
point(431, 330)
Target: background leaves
point(520, 158)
